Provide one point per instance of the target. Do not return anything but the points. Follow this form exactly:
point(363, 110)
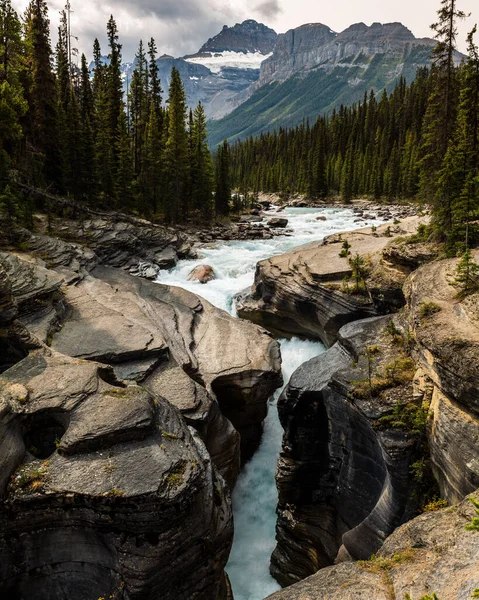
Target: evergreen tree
point(12, 103)
point(467, 276)
point(176, 166)
point(441, 113)
point(114, 86)
point(223, 180)
point(42, 97)
point(202, 178)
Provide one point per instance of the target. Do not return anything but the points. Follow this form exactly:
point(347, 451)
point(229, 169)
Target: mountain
point(248, 36)
point(314, 70)
point(250, 79)
point(233, 59)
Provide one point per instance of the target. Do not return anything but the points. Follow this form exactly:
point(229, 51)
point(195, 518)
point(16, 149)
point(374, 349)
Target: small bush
point(427, 309)
point(435, 504)
point(346, 250)
point(474, 524)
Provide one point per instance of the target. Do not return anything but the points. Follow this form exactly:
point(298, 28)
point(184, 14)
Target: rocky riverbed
point(128, 406)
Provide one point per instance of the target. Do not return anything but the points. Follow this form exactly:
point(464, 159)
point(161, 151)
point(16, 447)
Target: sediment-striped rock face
point(108, 493)
point(343, 476)
point(115, 430)
point(432, 554)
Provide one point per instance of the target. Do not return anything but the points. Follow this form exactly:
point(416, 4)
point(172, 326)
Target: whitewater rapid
point(255, 496)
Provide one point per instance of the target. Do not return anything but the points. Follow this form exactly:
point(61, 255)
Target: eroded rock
point(343, 477)
point(433, 553)
point(300, 293)
point(110, 493)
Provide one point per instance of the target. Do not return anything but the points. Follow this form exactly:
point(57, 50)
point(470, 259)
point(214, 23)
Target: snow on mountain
point(229, 60)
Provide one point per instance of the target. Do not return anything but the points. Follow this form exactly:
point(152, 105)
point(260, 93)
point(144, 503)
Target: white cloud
point(182, 26)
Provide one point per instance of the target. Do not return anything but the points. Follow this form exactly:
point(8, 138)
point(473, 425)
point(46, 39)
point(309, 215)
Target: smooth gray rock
point(344, 483)
point(109, 492)
point(433, 553)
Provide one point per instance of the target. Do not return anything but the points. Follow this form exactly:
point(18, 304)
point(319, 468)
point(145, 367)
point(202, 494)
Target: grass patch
point(474, 524)
point(175, 478)
point(435, 504)
point(427, 309)
point(30, 477)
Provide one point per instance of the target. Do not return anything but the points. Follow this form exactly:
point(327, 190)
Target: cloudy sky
point(182, 26)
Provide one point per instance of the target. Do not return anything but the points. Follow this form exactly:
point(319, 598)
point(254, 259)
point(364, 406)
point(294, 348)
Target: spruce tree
point(441, 113)
point(176, 166)
point(42, 97)
point(223, 180)
point(202, 177)
point(12, 102)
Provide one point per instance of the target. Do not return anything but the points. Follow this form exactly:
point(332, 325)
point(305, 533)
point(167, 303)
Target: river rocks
point(447, 337)
point(136, 325)
point(321, 218)
point(433, 553)
point(110, 493)
point(37, 295)
point(300, 293)
point(344, 472)
point(111, 239)
point(277, 222)
point(202, 273)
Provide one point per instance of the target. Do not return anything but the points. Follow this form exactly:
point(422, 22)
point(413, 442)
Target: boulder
point(278, 222)
point(344, 478)
point(433, 553)
point(321, 218)
point(104, 490)
point(300, 292)
point(253, 218)
point(137, 326)
point(202, 273)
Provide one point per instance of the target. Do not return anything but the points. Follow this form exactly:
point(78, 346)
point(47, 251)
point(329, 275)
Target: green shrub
point(435, 504)
point(474, 524)
point(427, 309)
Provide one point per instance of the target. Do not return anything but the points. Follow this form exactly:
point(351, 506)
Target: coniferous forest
point(419, 142)
point(74, 133)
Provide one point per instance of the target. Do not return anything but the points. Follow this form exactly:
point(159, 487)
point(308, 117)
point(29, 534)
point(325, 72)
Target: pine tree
point(12, 103)
point(42, 96)
point(114, 86)
point(155, 95)
point(176, 166)
point(201, 166)
point(467, 276)
point(223, 180)
point(441, 113)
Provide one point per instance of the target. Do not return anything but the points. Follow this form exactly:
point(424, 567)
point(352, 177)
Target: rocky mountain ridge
point(245, 70)
point(314, 69)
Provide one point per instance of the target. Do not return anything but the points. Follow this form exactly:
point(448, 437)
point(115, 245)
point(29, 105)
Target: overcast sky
point(182, 26)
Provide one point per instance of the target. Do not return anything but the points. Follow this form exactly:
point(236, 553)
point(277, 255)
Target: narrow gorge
point(131, 408)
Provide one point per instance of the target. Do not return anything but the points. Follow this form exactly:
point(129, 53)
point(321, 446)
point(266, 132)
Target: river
point(255, 495)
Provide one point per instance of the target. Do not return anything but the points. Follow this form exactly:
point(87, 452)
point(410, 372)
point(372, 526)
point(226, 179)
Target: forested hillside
point(71, 132)
point(418, 142)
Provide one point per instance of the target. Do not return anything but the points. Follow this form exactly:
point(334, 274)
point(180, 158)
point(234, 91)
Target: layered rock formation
point(433, 553)
point(344, 472)
point(109, 494)
point(248, 36)
point(316, 45)
point(355, 461)
point(105, 490)
point(447, 338)
point(300, 293)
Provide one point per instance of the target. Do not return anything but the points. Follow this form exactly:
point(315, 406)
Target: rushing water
point(255, 496)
